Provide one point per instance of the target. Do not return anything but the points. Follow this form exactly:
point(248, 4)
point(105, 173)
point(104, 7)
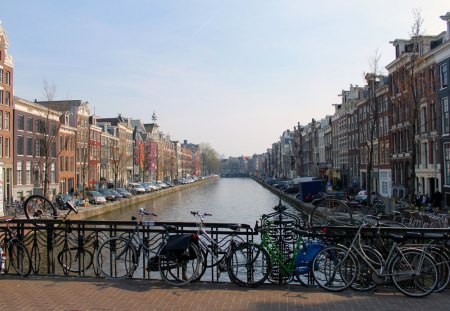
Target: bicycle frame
point(383, 272)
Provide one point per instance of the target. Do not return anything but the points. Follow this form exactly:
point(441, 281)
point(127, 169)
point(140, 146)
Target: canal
point(229, 200)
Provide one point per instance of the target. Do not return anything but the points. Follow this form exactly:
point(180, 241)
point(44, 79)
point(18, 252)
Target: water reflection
point(231, 200)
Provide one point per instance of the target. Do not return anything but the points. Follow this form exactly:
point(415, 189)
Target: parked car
point(125, 193)
point(149, 187)
point(107, 193)
point(162, 184)
point(62, 199)
point(136, 188)
point(170, 184)
point(95, 197)
point(118, 195)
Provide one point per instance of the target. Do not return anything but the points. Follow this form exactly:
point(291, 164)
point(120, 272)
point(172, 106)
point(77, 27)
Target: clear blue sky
point(234, 74)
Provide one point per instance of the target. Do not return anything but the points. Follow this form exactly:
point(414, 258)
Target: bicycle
point(74, 256)
point(215, 252)
point(412, 270)
point(251, 264)
point(176, 257)
point(15, 252)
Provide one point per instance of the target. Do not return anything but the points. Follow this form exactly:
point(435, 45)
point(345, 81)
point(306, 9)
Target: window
point(1, 96)
point(445, 116)
point(1, 120)
point(7, 121)
point(19, 172)
point(7, 98)
point(444, 75)
point(52, 173)
point(8, 78)
point(19, 145)
point(28, 173)
point(29, 146)
point(7, 146)
point(447, 163)
point(1, 75)
point(37, 147)
point(20, 122)
point(1, 147)
point(61, 164)
point(29, 124)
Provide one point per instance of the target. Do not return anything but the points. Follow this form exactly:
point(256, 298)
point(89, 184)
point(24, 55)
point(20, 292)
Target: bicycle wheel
point(442, 261)
point(75, 259)
point(18, 257)
point(364, 281)
point(331, 212)
point(335, 269)
point(414, 273)
point(39, 207)
point(249, 265)
point(117, 258)
point(183, 269)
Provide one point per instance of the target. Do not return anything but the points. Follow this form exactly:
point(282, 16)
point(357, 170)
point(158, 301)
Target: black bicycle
point(16, 252)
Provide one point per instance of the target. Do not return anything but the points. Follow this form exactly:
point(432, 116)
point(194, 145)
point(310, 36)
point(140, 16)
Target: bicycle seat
point(234, 227)
point(169, 228)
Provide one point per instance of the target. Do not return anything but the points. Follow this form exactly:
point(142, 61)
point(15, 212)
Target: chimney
point(446, 18)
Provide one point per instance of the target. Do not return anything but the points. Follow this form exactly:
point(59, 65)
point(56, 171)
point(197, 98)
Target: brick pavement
point(58, 293)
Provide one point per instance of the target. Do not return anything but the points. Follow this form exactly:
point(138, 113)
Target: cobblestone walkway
point(47, 293)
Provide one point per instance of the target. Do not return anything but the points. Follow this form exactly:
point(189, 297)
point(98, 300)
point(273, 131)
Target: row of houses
point(60, 146)
point(391, 136)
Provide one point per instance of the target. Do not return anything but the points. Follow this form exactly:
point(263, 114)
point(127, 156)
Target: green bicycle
point(252, 263)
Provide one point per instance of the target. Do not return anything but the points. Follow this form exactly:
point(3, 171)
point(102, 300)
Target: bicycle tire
point(331, 212)
point(75, 259)
point(333, 269)
point(442, 261)
point(116, 258)
point(364, 281)
point(39, 207)
point(180, 270)
point(249, 265)
point(408, 281)
point(19, 258)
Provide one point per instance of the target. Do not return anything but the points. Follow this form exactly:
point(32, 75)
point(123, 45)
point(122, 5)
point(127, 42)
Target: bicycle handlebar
point(201, 214)
point(142, 211)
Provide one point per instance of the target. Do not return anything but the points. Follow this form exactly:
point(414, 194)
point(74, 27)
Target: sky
point(234, 74)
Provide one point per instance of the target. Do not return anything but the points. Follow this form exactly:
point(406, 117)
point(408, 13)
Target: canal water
point(229, 200)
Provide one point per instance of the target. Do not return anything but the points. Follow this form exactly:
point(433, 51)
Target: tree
point(119, 159)
point(210, 159)
point(48, 126)
point(372, 79)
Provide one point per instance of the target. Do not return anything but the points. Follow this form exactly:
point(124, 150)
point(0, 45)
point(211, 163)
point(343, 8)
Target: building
point(6, 114)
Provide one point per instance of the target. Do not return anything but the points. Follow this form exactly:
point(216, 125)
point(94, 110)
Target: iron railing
point(49, 243)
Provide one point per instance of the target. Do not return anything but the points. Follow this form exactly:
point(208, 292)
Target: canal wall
point(95, 210)
point(304, 208)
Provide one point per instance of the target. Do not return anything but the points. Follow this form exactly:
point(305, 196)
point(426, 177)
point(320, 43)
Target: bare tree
point(119, 159)
point(49, 129)
point(372, 79)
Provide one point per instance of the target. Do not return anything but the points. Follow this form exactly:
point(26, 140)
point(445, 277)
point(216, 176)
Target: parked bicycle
point(176, 257)
point(215, 252)
point(15, 252)
point(251, 263)
point(412, 270)
point(74, 256)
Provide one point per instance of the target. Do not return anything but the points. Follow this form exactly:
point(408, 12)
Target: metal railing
point(68, 247)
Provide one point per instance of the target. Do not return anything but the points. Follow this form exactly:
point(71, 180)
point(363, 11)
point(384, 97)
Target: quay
point(63, 293)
